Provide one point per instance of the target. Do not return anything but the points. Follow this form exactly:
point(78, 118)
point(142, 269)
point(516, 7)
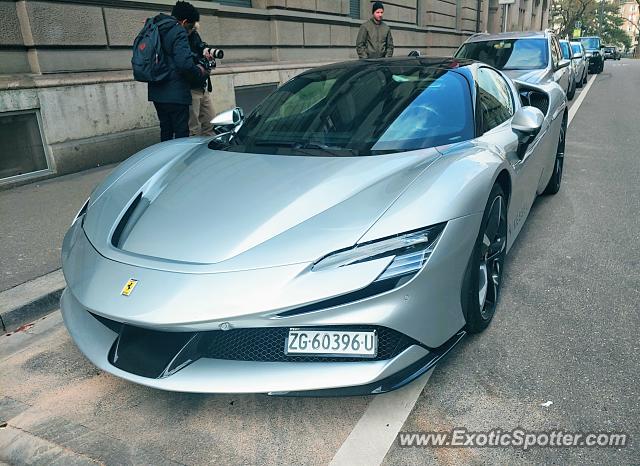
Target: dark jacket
point(176, 89)
point(374, 40)
point(197, 48)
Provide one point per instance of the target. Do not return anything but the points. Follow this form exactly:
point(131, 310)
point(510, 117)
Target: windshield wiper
point(337, 151)
point(274, 143)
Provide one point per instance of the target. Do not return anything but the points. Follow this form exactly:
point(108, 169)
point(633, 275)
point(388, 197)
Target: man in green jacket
point(374, 38)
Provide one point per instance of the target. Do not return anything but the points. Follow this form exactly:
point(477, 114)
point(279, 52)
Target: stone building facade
point(68, 101)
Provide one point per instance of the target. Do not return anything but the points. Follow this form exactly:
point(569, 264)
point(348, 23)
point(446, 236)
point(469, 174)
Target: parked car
point(595, 54)
point(609, 53)
point(580, 63)
point(533, 57)
point(342, 238)
point(567, 54)
point(617, 55)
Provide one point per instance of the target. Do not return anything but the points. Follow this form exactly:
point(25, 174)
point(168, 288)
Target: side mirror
point(563, 64)
point(526, 123)
point(231, 117)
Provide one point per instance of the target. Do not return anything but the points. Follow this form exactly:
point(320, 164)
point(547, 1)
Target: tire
point(483, 278)
point(572, 90)
point(579, 84)
point(585, 77)
point(600, 68)
point(553, 186)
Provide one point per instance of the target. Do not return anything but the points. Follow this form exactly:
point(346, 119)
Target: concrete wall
point(59, 36)
point(70, 59)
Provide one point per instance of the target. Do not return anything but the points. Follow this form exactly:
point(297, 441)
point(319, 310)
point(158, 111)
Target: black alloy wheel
point(572, 89)
point(553, 186)
point(484, 275)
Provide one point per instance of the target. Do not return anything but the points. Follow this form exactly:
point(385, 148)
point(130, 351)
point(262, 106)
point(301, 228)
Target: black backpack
point(149, 62)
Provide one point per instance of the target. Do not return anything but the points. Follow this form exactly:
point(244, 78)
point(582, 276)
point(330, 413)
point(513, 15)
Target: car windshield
point(508, 54)
point(360, 110)
point(591, 42)
point(565, 50)
point(576, 48)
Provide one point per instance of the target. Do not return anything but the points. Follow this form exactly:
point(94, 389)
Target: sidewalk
point(33, 221)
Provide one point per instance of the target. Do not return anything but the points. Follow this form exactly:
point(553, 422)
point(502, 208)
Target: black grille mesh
point(267, 344)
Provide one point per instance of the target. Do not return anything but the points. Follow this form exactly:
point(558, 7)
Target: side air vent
point(128, 220)
point(535, 99)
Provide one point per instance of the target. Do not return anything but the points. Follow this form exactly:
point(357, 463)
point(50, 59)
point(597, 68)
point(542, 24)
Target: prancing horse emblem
point(128, 288)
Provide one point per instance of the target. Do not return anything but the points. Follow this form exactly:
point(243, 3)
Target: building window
point(245, 3)
point(247, 97)
point(21, 142)
point(354, 8)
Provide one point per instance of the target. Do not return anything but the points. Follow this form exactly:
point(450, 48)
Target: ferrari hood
point(206, 207)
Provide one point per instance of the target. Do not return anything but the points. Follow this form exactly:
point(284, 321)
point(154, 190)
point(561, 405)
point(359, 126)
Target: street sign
point(506, 2)
point(578, 25)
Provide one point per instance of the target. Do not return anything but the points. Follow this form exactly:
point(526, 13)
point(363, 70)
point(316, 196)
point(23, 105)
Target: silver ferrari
point(340, 239)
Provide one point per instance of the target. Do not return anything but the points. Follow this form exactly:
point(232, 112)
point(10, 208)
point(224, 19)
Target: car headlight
point(82, 211)
point(410, 252)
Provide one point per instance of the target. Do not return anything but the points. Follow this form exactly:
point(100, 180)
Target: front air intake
point(128, 220)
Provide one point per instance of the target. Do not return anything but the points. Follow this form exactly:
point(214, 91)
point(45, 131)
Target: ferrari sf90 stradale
point(340, 239)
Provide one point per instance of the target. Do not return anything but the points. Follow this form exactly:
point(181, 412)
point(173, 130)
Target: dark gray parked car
point(532, 57)
point(595, 53)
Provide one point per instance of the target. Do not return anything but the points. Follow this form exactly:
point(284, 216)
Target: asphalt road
point(35, 218)
point(565, 332)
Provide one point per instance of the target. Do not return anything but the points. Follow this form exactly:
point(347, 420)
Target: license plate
point(332, 343)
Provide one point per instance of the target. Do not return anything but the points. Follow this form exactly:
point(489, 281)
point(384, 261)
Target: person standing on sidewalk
point(201, 109)
point(172, 96)
point(374, 38)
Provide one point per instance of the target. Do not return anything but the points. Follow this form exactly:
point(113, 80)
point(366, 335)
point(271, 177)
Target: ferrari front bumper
point(226, 376)
point(426, 310)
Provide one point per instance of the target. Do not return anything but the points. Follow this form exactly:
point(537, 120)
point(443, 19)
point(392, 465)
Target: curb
point(30, 301)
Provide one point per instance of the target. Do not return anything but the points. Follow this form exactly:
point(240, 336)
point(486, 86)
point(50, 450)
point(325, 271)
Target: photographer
point(201, 110)
point(171, 96)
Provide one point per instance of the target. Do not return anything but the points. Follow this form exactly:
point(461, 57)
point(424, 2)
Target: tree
point(606, 23)
point(565, 14)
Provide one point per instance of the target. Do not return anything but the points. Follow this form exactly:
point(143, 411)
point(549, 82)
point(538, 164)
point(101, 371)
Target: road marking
point(574, 108)
point(375, 432)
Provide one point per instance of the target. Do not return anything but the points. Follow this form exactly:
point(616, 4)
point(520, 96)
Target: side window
point(495, 102)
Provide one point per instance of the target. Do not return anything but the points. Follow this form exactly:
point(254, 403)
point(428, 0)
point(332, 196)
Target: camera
point(211, 64)
point(207, 64)
point(217, 53)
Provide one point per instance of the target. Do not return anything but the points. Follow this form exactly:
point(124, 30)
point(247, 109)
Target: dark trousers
point(174, 120)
